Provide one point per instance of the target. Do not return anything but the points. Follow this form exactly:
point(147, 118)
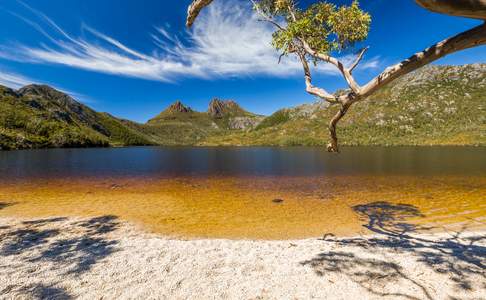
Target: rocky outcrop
point(178, 107)
point(245, 123)
point(219, 108)
point(237, 118)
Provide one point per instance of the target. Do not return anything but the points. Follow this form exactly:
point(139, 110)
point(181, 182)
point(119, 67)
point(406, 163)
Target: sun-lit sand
point(229, 238)
point(104, 258)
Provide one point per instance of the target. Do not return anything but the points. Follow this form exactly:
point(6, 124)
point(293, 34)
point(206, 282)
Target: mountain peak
point(178, 107)
point(39, 90)
point(219, 108)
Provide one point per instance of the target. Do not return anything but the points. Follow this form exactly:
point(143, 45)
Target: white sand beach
point(105, 258)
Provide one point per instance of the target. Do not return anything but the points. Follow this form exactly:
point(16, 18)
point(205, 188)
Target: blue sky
point(132, 58)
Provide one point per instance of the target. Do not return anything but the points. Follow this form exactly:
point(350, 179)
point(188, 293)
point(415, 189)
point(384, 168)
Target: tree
point(314, 33)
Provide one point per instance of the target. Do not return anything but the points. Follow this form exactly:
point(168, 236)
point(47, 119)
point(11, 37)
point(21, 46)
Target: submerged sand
point(106, 258)
point(246, 207)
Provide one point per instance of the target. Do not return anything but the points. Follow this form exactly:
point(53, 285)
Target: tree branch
point(358, 59)
point(194, 10)
point(333, 145)
point(463, 8)
point(266, 17)
point(311, 89)
point(269, 20)
point(468, 39)
point(334, 61)
point(292, 12)
point(324, 57)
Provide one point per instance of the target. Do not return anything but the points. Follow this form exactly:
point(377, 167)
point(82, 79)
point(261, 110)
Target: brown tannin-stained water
point(251, 193)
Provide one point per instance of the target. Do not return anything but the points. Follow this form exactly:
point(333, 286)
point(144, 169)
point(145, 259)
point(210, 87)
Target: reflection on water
point(269, 193)
point(257, 161)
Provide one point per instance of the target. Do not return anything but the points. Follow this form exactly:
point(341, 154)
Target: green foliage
point(324, 26)
point(433, 106)
point(275, 119)
point(350, 25)
point(120, 134)
point(273, 7)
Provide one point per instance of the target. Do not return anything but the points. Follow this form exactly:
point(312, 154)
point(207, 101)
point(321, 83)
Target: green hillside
point(436, 105)
point(38, 116)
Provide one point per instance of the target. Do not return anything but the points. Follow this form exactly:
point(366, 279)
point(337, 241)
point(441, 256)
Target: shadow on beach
point(41, 291)
point(72, 246)
point(83, 251)
point(457, 256)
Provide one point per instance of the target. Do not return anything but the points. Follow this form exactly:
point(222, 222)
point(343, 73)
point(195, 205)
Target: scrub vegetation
point(436, 105)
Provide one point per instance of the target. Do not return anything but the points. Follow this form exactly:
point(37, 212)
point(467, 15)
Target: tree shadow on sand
point(46, 292)
point(20, 240)
point(459, 257)
point(86, 250)
point(77, 246)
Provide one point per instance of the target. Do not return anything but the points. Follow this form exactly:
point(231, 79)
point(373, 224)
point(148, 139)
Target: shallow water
point(233, 192)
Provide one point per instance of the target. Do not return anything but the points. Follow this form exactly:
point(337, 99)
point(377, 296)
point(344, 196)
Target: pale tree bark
point(333, 145)
point(468, 39)
point(465, 40)
point(194, 10)
point(475, 9)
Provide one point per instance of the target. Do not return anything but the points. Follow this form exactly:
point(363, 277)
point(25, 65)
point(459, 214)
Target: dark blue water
point(254, 161)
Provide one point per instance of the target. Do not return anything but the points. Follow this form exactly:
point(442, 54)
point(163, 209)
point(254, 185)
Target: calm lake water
point(257, 193)
point(257, 161)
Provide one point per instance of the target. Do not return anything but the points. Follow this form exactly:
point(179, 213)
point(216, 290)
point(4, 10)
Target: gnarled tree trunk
point(333, 145)
point(194, 9)
point(475, 9)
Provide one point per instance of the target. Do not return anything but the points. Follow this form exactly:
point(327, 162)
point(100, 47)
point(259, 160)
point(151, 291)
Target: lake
point(249, 192)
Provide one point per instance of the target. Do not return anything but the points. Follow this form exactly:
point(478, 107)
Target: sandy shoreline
point(106, 258)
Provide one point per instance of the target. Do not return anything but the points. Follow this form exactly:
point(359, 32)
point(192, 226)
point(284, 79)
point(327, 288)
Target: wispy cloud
point(12, 80)
point(16, 81)
point(227, 41)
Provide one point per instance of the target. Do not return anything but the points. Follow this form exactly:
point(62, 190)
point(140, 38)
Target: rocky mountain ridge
point(221, 108)
point(221, 114)
point(178, 107)
point(436, 105)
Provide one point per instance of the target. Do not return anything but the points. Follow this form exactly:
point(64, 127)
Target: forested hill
point(436, 105)
point(38, 116)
